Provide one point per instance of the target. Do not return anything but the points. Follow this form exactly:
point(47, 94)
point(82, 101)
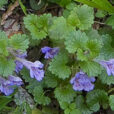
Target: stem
point(112, 89)
point(99, 23)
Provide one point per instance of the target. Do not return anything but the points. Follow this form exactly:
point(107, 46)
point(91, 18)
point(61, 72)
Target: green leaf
point(64, 105)
point(58, 66)
point(81, 17)
point(91, 68)
point(37, 5)
point(92, 50)
point(95, 107)
point(81, 55)
point(107, 52)
point(18, 110)
point(23, 7)
point(19, 42)
point(38, 25)
point(59, 28)
point(50, 80)
point(68, 9)
point(110, 21)
point(97, 96)
point(93, 35)
point(106, 79)
point(62, 3)
point(3, 2)
point(72, 106)
point(7, 66)
point(67, 111)
point(75, 40)
point(32, 82)
point(100, 4)
point(4, 100)
point(49, 110)
point(35, 88)
point(82, 106)
point(39, 96)
point(36, 111)
point(75, 111)
point(111, 101)
point(64, 94)
point(101, 14)
point(93, 46)
point(3, 43)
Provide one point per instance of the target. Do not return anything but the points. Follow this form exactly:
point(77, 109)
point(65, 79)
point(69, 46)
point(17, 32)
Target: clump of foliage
point(75, 70)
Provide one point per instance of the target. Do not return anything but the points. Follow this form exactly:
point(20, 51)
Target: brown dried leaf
point(9, 12)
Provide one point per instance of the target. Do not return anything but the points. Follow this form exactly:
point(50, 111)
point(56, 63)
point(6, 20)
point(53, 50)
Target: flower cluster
point(36, 68)
point(7, 86)
point(49, 52)
point(82, 82)
point(109, 66)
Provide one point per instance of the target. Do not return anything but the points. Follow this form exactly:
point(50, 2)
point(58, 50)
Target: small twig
point(99, 22)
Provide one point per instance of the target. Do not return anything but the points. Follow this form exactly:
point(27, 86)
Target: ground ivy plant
point(75, 70)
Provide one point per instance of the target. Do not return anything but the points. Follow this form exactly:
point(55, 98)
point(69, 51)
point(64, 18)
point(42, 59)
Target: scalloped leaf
point(97, 96)
point(50, 80)
point(107, 51)
point(91, 68)
point(35, 88)
point(80, 104)
point(19, 42)
point(39, 96)
point(59, 28)
point(64, 94)
point(106, 79)
point(3, 43)
point(58, 66)
point(32, 82)
point(82, 17)
point(75, 40)
point(92, 50)
point(7, 66)
point(110, 21)
point(37, 25)
point(111, 101)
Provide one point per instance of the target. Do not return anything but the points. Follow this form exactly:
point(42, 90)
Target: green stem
point(22, 7)
point(112, 89)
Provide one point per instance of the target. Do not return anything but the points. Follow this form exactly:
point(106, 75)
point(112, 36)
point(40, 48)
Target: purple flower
point(15, 80)
point(81, 81)
point(36, 68)
point(109, 66)
point(19, 65)
point(49, 52)
point(7, 86)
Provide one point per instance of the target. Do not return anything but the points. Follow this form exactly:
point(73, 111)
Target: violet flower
point(49, 52)
point(7, 86)
point(36, 68)
point(19, 65)
point(81, 81)
point(109, 66)
point(15, 80)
